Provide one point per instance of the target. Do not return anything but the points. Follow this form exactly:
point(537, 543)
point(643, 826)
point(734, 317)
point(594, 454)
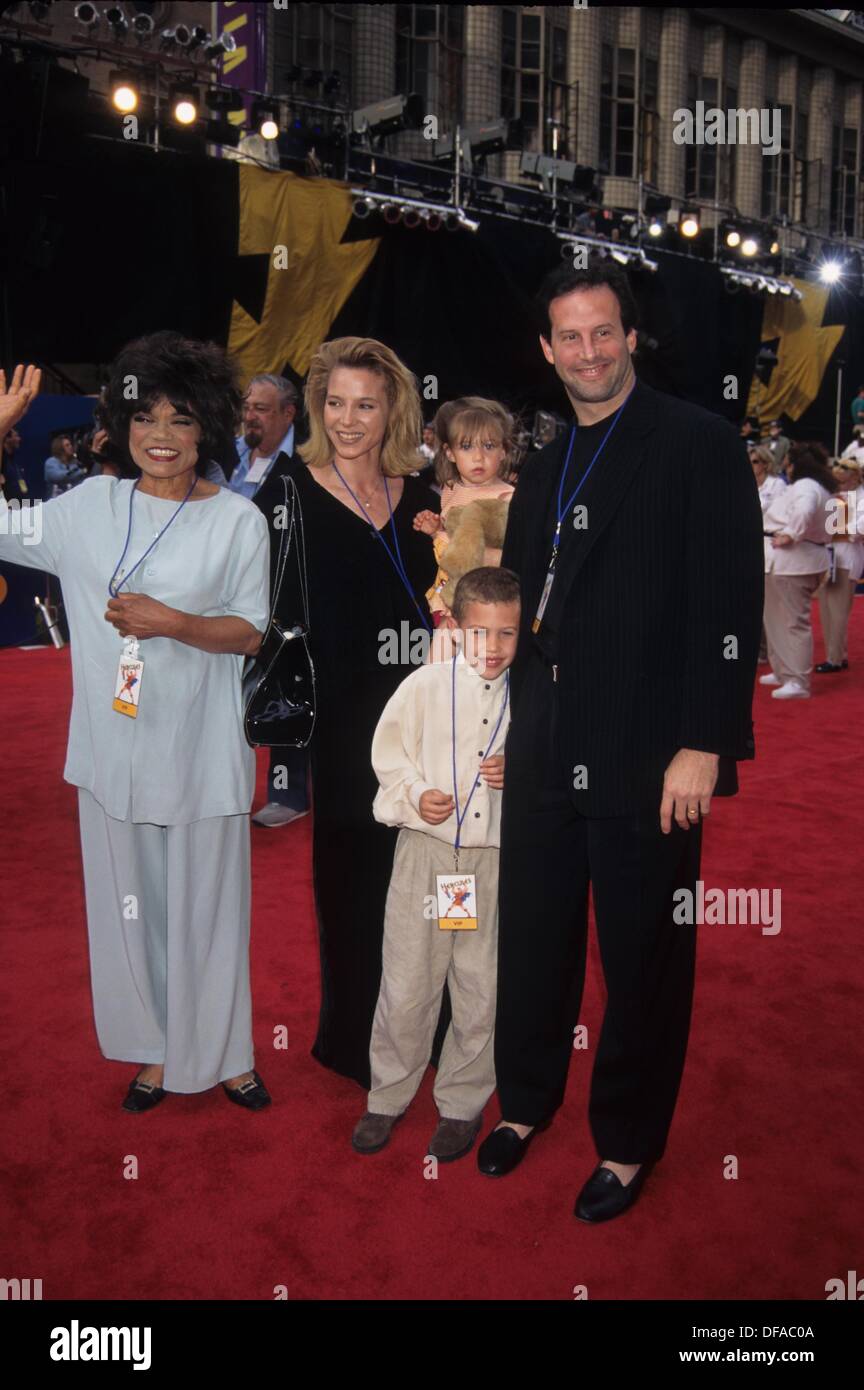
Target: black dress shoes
point(826, 668)
point(605, 1196)
point(142, 1095)
point(502, 1150)
point(252, 1095)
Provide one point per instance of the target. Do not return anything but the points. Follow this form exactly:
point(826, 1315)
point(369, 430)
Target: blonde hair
point(405, 421)
point(467, 418)
point(762, 455)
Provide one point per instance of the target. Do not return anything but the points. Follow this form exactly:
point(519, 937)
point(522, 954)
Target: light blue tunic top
point(185, 756)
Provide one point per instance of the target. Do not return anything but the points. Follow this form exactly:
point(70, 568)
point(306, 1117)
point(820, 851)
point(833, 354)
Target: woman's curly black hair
point(195, 377)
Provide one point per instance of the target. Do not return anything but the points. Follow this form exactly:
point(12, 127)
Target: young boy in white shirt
point(446, 720)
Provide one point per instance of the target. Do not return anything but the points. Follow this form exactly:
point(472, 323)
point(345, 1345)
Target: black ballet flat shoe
point(503, 1150)
point(604, 1196)
point(252, 1095)
point(826, 668)
point(142, 1095)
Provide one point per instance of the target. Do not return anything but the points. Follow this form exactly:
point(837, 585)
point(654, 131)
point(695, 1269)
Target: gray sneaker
point(454, 1138)
point(274, 813)
point(372, 1132)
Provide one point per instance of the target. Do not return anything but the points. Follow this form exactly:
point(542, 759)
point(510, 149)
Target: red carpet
point(230, 1205)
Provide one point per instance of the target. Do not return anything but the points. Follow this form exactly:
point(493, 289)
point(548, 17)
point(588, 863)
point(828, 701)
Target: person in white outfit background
point(770, 485)
point(835, 597)
point(796, 559)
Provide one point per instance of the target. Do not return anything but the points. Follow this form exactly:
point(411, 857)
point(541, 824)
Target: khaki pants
point(788, 627)
point(835, 605)
point(418, 958)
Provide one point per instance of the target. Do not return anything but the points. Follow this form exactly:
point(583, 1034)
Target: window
point(430, 55)
point(534, 78)
point(313, 36)
point(648, 121)
point(617, 111)
point(700, 161)
point(844, 182)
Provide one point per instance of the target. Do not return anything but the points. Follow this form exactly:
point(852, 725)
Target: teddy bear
point(471, 531)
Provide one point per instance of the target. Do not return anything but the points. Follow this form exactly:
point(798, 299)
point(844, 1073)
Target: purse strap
point(292, 530)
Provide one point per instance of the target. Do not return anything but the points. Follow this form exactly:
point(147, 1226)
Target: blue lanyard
point(111, 588)
point(461, 817)
point(395, 562)
point(582, 481)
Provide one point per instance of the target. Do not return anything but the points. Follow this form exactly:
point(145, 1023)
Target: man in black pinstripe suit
point(637, 537)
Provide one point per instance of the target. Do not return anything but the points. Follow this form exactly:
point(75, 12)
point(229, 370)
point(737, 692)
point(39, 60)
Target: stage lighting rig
point(178, 37)
point(198, 36)
point(218, 47)
point(115, 18)
point(413, 212)
point(87, 16)
point(563, 173)
point(143, 27)
point(125, 92)
point(482, 138)
point(224, 99)
point(265, 117)
point(624, 255)
point(183, 100)
point(688, 223)
point(388, 116)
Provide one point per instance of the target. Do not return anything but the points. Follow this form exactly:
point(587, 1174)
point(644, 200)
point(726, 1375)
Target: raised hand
point(15, 399)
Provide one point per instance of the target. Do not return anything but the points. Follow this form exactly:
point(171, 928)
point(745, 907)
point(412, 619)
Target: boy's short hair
point(488, 584)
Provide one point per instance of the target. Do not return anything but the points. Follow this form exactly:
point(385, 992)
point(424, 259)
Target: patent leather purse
point(279, 684)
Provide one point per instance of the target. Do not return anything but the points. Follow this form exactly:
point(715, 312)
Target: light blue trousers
point(168, 911)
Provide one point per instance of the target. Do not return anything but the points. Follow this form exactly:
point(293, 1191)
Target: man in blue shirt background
point(62, 469)
point(269, 410)
point(269, 407)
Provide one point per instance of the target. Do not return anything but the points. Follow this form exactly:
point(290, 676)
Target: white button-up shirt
point(799, 511)
point(412, 750)
point(184, 757)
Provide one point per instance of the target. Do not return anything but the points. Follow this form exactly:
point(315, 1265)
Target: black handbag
point(279, 684)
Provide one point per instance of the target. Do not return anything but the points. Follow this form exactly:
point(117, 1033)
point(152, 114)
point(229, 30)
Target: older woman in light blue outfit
point(166, 569)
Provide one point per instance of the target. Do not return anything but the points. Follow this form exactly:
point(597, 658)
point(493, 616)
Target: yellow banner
point(298, 224)
point(803, 353)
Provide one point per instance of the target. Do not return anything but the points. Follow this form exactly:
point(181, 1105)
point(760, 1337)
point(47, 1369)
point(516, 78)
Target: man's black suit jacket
point(655, 614)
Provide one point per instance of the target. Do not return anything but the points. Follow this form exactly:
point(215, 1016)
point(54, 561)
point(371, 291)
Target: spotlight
point(749, 246)
point(198, 37)
point(124, 92)
point(774, 249)
point(224, 99)
point(178, 37)
point(265, 118)
point(143, 27)
point(432, 220)
point(688, 223)
point(655, 227)
point(391, 212)
point(387, 117)
point(363, 207)
point(217, 48)
point(829, 272)
point(733, 238)
point(184, 104)
point(87, 16)
point(117, 22)
point(411, 218)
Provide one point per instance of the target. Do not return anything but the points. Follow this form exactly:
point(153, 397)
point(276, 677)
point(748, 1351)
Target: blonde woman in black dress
point(368, 571)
